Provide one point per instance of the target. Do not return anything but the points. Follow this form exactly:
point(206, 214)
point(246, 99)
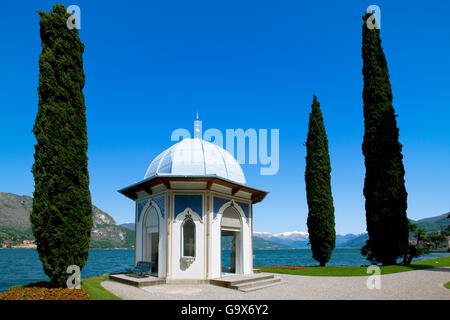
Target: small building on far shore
point(26, 244)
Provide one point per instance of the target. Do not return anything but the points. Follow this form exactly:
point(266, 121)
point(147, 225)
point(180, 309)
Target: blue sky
point(152, 65)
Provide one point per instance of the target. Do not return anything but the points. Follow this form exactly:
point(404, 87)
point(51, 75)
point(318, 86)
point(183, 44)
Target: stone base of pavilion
point(247, 283)
point(137, 281)
point(243, 283)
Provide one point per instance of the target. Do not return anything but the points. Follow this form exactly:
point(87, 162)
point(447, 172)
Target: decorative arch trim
point(145, 205)
point(140, 208)
point(193, 202)
point(186, 213)
point(147, 209)
point(220, 204)
point(230, 203)
point(246, 208)
point(217, 204)
point(160, 202)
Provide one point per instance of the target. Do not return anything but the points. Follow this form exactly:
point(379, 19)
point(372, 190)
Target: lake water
point(21, 266)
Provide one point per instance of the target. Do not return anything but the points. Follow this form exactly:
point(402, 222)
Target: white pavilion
point(193, 195)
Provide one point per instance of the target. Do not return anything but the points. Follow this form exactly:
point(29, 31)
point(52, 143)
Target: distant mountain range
point(15, 224)
point(258, 243)
point(433, 224)
point(129, 226)
point(295, 239)
point(299, 239)
point(289, 240)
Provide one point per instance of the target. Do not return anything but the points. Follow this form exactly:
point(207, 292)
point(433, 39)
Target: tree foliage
point(62, 212)
point(417, 249)
point(384, 185)
point(436, 238)
point(318, 188)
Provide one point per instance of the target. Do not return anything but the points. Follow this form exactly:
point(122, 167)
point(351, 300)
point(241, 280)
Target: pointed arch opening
point(188, 238)
point(151, 239)
point(231, 241)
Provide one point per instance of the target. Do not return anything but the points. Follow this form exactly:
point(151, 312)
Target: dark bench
point(142, 269)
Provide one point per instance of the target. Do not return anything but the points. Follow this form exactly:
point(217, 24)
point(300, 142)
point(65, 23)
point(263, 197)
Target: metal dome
point(196, 157)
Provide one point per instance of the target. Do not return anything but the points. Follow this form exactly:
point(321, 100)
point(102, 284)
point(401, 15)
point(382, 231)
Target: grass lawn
point(343, 271)
point(95, 290)
point(447, 285)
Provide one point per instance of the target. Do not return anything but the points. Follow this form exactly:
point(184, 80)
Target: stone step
point(130, 279)
point(254, 283)
point(260, 287)
point(251, 279)
point(233, 280)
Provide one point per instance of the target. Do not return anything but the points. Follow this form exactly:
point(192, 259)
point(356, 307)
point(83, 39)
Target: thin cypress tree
point(320, 221)
point(62, 214)
point(384, 184)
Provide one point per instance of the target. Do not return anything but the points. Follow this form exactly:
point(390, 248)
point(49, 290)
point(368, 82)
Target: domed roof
point(196, 157)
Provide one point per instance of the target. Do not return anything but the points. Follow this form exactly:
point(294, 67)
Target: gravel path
point(419, 284)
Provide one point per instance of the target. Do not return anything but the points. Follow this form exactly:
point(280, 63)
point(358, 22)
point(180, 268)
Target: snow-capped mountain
point(300, 239)
point(293, 235)
point(296, 239)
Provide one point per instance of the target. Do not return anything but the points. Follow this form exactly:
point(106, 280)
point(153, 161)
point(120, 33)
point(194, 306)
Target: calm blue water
point(21, 266)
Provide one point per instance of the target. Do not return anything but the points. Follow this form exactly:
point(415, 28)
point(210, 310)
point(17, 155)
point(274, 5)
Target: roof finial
point(197, 123)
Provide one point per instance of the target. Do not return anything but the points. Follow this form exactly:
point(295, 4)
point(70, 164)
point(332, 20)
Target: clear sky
point(151, 65)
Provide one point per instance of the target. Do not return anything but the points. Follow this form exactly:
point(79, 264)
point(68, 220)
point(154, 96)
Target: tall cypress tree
point(320, 221)
point(62, 214)
point(384, 185)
